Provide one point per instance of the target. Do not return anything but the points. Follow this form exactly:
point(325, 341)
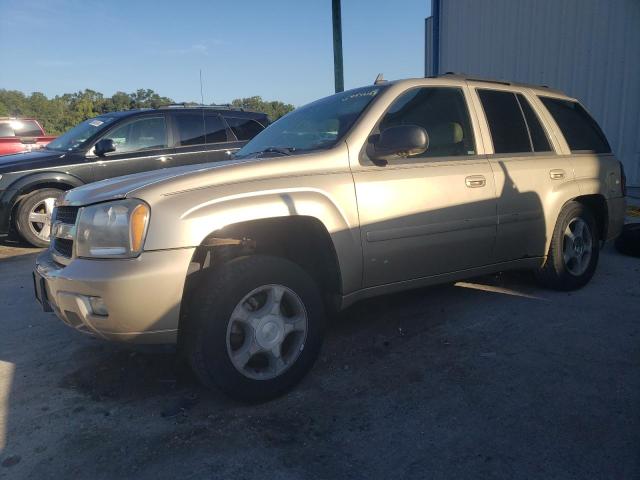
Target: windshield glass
point(318, 125)
point(79, 134)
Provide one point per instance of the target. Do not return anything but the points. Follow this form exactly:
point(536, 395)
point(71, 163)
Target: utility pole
point(337, 45)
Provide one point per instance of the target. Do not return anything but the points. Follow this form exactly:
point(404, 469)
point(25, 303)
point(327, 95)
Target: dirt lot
point(493, 378)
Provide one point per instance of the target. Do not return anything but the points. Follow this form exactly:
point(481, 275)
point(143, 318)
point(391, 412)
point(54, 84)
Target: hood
point(121, 187)
point(29, 160)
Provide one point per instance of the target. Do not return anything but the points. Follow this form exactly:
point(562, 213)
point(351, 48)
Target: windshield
point(318, 125)
point(80, 133)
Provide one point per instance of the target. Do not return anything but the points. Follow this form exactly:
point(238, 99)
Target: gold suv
point(382, 188)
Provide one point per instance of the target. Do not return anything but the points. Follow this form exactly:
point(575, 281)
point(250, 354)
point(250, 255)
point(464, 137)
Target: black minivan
point(112, 145)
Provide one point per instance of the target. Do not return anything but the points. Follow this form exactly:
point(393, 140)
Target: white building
point(590, 49)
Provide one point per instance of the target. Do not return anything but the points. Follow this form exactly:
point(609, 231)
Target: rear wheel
point(256, 327)
point(574, 250)
point(33, 216)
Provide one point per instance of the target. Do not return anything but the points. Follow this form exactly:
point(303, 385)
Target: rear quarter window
point(579, 129)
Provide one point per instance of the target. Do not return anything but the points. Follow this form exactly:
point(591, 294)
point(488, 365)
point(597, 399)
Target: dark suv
point(112, 145)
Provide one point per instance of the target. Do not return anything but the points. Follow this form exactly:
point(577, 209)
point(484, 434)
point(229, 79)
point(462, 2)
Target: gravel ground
point(490, 378)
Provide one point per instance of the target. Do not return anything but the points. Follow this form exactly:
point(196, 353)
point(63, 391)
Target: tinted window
point(580, 130)
point(506, 123)
point(215, 130)
point(190, 128)
point(6, 130)
point(442, 112)
point(539, 139)
point(243, 128)
point(26, 128)
point(140, 134)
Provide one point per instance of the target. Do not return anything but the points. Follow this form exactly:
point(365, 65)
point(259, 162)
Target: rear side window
point(215, 130)
point(539, 139)
point(506, 123)
point(580, 130)
point(244, 128)
point(190, 128)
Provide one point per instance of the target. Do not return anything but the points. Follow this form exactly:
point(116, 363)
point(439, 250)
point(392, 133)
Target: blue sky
point(279, 49)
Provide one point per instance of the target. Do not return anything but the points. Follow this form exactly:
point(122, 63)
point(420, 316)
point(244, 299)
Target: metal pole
point(337, 46)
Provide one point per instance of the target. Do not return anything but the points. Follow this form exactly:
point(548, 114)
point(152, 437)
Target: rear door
point(201, 137)
point(142, 144)
point(528, 173)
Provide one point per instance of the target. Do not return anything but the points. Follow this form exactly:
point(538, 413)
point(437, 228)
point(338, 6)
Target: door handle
point(164, 158)
point(475, 181)
point(556, 174)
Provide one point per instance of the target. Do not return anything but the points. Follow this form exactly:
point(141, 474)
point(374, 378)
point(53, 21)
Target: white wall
point(588, 48)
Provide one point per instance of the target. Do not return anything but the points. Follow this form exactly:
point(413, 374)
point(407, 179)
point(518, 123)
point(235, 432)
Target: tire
point(217, 342)
point(36, 203)
point(569, 265)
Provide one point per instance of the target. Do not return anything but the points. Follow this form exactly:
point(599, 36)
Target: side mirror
point(104, 146)
point(399, 141)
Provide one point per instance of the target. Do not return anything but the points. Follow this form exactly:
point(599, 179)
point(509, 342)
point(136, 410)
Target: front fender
point(186, 219)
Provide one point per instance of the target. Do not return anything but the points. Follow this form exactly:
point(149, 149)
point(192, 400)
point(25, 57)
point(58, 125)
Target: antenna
point(379, 79)
point(201, 95)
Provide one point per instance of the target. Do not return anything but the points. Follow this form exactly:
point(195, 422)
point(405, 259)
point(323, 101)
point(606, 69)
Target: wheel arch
point(29, 184)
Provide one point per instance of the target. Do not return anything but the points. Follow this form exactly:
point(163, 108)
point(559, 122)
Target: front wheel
point(255, 328)
point(33, 216)
point(574, 250)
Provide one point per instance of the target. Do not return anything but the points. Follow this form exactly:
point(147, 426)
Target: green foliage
point(274, 109)
point(60, 113)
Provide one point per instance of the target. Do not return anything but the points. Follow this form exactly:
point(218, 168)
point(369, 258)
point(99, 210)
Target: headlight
point(113, 229)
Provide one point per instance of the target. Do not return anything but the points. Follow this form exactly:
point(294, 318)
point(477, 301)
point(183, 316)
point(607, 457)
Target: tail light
point(623, 180)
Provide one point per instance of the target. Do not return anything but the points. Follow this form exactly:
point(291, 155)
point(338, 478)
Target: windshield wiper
point(280, 150)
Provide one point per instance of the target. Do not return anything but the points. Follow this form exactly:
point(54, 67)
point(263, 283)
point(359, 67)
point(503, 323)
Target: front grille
point(63, 215)
point(66, 214)
point(63, 246)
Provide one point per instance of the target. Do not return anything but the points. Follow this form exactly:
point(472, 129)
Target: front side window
point(140, 134)
point(506, 122)
point(442, 112)
point(580, 130)
point(244, 128)
point(318, 125)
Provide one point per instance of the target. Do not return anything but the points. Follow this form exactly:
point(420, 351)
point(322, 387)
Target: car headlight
point(113, 229)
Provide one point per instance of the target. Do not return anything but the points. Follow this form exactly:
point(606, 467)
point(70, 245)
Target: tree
point(274, 109)
point(62, 112)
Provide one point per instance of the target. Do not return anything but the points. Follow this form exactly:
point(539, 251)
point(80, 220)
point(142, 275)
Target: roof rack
point(471, 78)
point(222, 106)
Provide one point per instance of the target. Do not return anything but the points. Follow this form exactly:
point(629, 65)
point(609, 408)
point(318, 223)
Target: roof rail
point(224, 106)
point(471, 78)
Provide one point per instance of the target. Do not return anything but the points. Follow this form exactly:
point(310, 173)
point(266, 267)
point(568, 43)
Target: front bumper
point(142, 295)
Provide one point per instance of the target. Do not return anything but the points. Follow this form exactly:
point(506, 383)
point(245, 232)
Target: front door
point(141, 145)
point(433, 213)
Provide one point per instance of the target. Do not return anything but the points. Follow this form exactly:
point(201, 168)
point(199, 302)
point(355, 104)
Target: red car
point(21, 135)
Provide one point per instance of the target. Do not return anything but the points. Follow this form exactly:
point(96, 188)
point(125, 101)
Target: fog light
point(98, 307)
